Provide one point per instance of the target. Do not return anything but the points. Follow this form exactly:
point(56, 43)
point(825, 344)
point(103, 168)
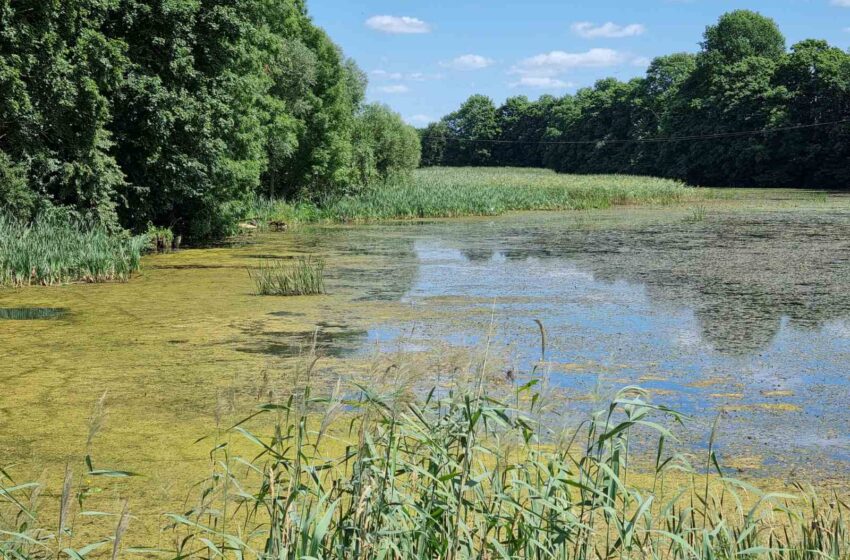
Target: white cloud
point(641, 61)
point(549, 65)
point(842, 3)
point(398, 24)
point(420, 77)
point(384, 75)
point(611, 30)
point(394, 88)
point(420, 119)
point(468, 62)
point(539, 82)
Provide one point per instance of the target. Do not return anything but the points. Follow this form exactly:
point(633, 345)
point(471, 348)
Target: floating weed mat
point(300, 277)
point(57, 250)
point(31, 313)
point(457, 474)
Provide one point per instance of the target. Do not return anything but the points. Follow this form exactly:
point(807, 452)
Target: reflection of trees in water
point(741, 276)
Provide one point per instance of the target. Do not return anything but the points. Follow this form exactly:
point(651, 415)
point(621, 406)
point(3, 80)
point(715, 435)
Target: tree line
point(743, 111)
point(171, 112)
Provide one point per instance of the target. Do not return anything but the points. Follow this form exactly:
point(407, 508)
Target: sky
point(424, 58)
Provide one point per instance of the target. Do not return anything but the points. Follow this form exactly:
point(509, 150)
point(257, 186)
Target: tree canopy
point(737, 113)
point(164, 111)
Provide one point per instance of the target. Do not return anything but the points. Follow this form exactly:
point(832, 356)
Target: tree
point(385, 146)
point(709, 118)
point(58, 71)
point(471, 130)
point(739, 35)
point(434, 140)
point(816, 78)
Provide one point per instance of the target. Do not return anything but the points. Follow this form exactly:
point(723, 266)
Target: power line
point(651, 140)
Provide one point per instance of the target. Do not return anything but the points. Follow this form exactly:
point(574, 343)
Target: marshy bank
point(57, 249)
point(706, 314)
point(448, 192)
point(464, 471)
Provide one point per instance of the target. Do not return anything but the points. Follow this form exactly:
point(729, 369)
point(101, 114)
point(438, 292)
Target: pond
point(743, 312)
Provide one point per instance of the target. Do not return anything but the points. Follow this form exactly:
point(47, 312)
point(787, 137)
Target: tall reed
point(56, 250)
point(462, 475)
point(300, 277)
point(467, 471)
point(480, 191)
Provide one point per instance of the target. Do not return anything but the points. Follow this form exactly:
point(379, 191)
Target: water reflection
point(744, 314)
point(740, 275)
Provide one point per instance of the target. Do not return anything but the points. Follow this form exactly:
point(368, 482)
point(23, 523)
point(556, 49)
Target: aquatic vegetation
point(31, 313)
point(262, 212)
point(58, 249)
point(299, 277)
point(449, 192)
point(460, 473)
point(698, 214)
point(452, 192)
point(161, 239)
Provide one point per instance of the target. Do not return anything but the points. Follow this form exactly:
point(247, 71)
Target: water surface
point(744, 314)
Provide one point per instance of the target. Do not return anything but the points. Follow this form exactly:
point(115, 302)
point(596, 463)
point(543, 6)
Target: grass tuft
point(58, 250)
point(460, 473)
point(464, 191)
point(301, 277)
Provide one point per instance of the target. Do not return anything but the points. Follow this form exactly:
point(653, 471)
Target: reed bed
point(57, 250)
point(465, 191)
point(459, 473)
point(299, 277)
point(451, 192)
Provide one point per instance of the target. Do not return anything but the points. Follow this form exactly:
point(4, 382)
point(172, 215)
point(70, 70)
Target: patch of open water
point(746, 314)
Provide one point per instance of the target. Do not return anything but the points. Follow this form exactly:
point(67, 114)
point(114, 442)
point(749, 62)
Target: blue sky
point(425, 57)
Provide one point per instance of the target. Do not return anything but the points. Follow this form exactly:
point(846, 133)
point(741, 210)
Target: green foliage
point(171, 111)
point(476, 123)
point(450, 192)
point(467, 471)
point(58, 74)
point(16, 198)
point(160, 239)
point(709, 118)
point(57, 248)
point(384, 145)
point(742, 34)
point(301, 277)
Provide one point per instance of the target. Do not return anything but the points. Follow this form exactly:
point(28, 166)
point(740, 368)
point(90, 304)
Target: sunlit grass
point(56, 250)
point(449, 192)
point(300, 277)
point(453, 192)
point(462, 472)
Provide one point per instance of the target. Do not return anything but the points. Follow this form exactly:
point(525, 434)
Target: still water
point(744, 313)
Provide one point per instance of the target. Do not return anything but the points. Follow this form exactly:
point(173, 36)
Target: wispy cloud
point(398, 24)
point(394, 88)
point(384, 75)
point(468, 62)
point(842, 3)
point(549, 65)
point(539, 82)
point(611, 30)
point(420, 119)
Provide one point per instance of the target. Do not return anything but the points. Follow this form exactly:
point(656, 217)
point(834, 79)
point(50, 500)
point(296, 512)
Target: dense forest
point(743, 111)
point(173, 112)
